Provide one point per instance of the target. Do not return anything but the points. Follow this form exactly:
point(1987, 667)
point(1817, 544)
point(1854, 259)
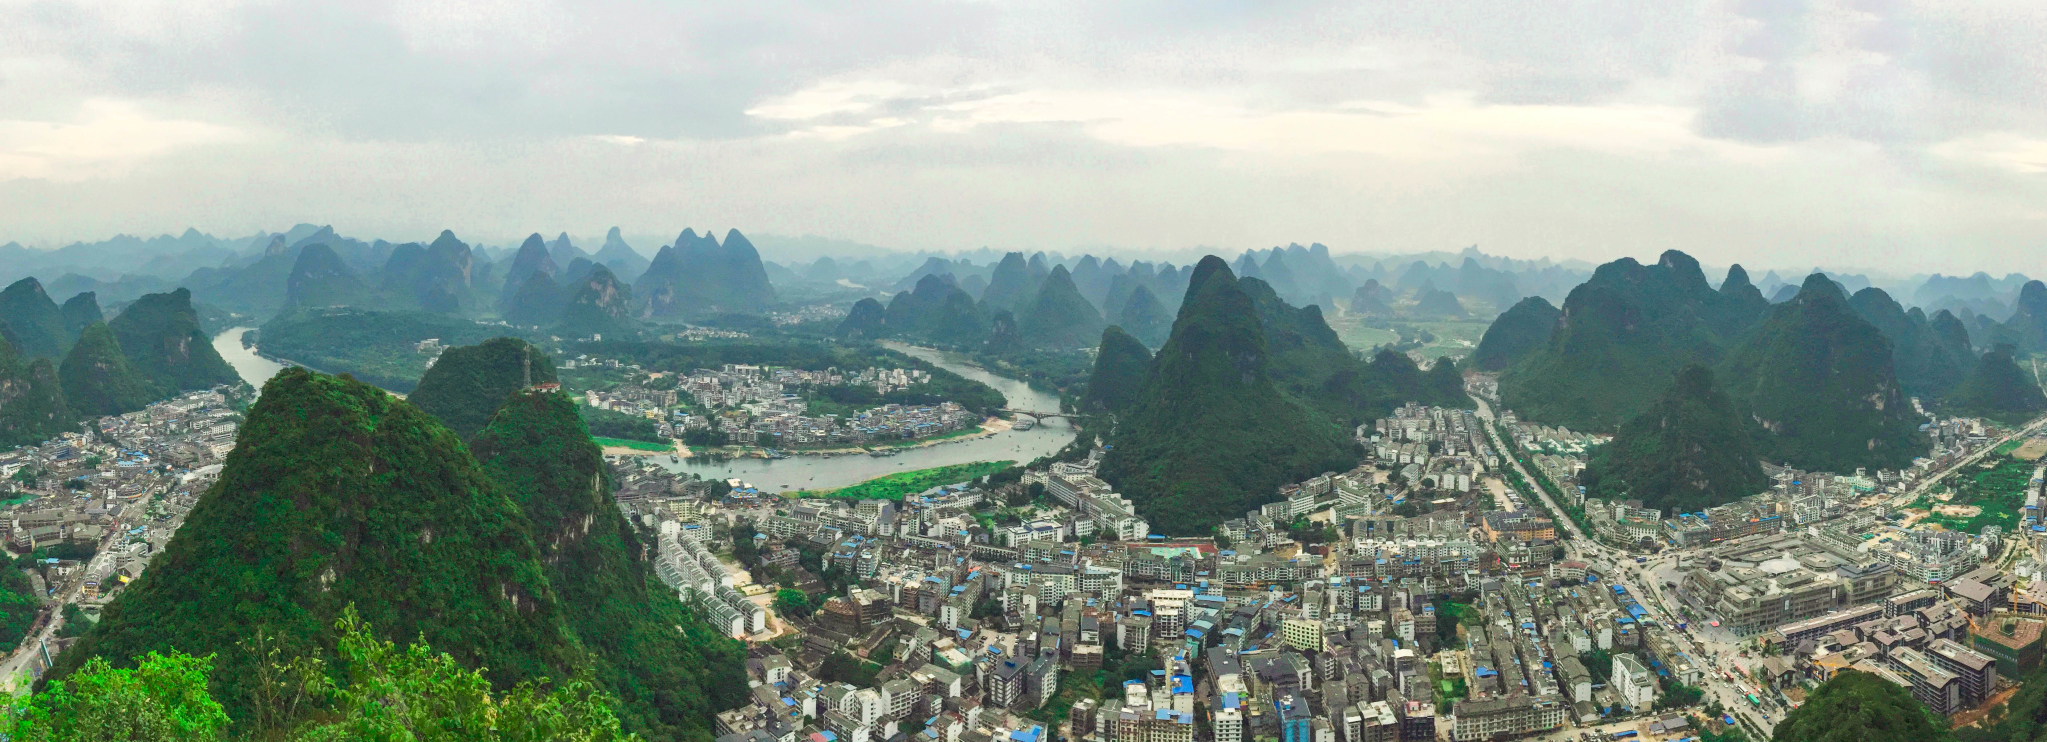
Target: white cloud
point(107, 138)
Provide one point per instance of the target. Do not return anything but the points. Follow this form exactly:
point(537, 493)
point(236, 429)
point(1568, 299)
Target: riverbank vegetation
point(902, 484)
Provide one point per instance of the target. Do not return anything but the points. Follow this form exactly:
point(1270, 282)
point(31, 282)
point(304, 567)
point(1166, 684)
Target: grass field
point(1454, 339)
point(635, 445)
point(1999, 491)
point(896, 486)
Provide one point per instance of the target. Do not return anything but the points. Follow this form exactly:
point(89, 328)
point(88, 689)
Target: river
point(253, 368)
point(817, 472)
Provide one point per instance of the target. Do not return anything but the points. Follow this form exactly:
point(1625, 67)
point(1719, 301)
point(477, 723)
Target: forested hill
point(1521, 330)
point(1620, 338)
point(339, 494)
point(669, 670)
point(1856, 706)
point(1689, 451)
point(1818, 378)
point(33, 408)
point(160, 334)
point(1210, 435)
point(467, 384)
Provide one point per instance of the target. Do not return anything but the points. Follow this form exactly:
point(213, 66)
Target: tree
point(790, 602)
point(743, 547)
point(75, 622)
point(1857, 707)
point(164, 699)
point(414, 693)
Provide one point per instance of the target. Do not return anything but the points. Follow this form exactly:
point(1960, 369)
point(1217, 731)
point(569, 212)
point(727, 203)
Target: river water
point(253, 368)
point(817, 472)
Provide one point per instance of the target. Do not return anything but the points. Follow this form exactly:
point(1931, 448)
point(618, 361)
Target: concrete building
point(1634, 682)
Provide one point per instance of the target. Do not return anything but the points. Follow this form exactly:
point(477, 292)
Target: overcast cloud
point(1875, 133)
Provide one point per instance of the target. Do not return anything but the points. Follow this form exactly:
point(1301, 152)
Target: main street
point(1485, 414)
point(1617, 566)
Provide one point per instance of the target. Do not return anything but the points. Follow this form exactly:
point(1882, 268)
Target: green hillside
point(1998, 389)
point(1059, 317)
point(33, 319)
point(1210, 435)
point(669, 670)
point(1145, 318)
point(1517, 332)
point(161, 335)
point(32, 404)
point(1818, 379)
point(1118, 376)
point(1621, 336)
point(1929, 362)
point(1856, 706)
point(469, 382)
point(79, 312)
point(339, 494)
point(98, 379)
point(1687, 452)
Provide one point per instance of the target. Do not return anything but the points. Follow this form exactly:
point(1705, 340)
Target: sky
point(1875, 134)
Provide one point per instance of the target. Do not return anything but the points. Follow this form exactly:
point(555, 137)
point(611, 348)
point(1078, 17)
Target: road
point(1485, 414)
point(1616, 565)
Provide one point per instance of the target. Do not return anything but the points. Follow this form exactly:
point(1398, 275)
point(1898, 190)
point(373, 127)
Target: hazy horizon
point(1870, 135)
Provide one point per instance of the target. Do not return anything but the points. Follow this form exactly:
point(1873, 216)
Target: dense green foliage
point(1818, 379)
point(32, 404)
point(468, 383)
point(18, 607)
point(1517, 332)
point(97, 378)
point(34, 322)
point(1860, 707)
point(1687, 452)
point(1211, 434)
point(669, 670)
point(1622, 335)
point(1120, 367)
point(383, 692)
point(1929, 356)
point(611, 424)
point(903, 484)
point(1998, 389)
point(809, 355)
point(375, 346)
point(1059, 317)
point(336, 494)
point(163, 699)
point(79, 312)
point(161, 336)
